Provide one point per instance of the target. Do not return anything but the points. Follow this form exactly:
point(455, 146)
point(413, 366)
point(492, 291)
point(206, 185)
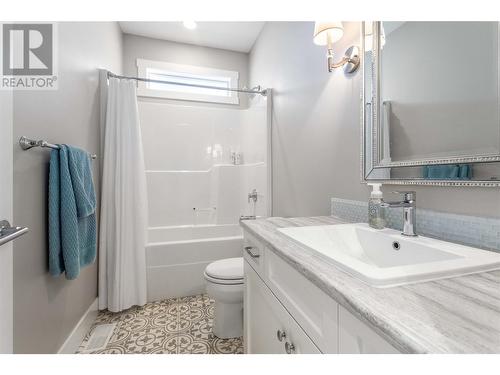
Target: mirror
point(431, 111)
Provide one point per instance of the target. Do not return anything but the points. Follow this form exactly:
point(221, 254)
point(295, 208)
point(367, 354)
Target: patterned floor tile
point(173, 326)
point(226, 346)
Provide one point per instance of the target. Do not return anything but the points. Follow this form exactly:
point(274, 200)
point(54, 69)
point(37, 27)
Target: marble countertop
point(456, 315)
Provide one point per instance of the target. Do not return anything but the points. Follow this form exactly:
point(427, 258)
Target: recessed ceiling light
point(191, 25)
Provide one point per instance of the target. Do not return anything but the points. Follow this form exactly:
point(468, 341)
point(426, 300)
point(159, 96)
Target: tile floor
point(174, 326)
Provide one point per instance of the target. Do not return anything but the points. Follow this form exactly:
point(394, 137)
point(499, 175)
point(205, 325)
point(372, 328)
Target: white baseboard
point(78, 333)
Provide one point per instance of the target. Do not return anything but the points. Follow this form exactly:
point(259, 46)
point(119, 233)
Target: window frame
point(143, 90)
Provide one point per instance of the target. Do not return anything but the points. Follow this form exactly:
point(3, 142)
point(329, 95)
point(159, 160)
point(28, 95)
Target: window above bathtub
point(185, 76)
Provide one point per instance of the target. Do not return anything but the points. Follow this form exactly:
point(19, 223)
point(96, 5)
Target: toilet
point(224, 280)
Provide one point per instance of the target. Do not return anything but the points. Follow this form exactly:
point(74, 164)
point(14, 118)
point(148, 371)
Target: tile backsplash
point(464, 229)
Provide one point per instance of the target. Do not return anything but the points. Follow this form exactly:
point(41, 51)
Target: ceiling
point(234, 36)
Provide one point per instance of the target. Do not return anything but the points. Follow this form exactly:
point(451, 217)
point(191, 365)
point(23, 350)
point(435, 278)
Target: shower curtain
point(123, 224)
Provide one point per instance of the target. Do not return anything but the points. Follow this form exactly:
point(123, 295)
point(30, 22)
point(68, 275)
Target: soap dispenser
point(376, 213)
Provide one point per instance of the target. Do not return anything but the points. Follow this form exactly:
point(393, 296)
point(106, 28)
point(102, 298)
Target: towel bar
point(8, 233)
point(27, 143)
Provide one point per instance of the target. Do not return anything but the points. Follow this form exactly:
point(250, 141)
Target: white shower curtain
point(123, 224)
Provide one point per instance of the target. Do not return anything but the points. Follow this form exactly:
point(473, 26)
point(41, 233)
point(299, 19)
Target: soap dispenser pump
point(376, 212)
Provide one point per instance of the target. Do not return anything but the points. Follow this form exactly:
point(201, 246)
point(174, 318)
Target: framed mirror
point(430, 103)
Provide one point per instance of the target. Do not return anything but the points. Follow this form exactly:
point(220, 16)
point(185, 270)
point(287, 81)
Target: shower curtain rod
point(256, 90)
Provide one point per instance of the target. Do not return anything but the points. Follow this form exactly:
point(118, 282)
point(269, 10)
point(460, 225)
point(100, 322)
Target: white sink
point(385, 258)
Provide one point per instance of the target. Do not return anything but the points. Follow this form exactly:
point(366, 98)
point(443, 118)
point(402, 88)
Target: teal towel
point(72, 204)
point(448, 172)
point(465, 172)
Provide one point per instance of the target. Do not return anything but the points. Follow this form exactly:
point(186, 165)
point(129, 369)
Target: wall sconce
point(327, 33)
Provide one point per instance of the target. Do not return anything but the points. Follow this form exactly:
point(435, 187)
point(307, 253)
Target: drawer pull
point(289, 348)
point(249, 251)
point(280, 335)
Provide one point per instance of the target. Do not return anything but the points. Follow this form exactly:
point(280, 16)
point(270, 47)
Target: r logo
point(27, 49)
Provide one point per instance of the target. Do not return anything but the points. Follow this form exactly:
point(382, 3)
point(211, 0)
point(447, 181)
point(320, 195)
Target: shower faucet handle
point(253, 195)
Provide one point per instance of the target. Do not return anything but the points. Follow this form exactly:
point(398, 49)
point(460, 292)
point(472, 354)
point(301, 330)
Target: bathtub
point(176, 256)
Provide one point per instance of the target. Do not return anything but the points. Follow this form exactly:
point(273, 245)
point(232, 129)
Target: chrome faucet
point(409, 211)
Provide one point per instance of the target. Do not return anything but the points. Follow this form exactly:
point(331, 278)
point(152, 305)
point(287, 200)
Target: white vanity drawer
point(253, 252)
point(269, 328)
point(316, 312)
point(357, 338)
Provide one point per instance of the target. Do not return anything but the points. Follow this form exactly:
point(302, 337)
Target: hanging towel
point(72, 203)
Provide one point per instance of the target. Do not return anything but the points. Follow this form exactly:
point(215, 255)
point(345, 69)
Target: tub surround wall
point(187, 155)
point(46, 308)
point(316, 130)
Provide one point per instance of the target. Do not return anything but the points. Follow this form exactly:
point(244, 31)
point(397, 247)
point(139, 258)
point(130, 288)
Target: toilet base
point(228, 320)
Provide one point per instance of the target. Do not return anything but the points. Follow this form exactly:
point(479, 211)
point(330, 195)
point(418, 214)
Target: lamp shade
point(327, 32)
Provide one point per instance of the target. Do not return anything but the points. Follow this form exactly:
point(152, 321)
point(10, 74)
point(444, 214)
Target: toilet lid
point(226, 269)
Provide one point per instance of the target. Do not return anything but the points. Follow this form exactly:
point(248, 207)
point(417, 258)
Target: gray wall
point(6, 271)
point(316, 132)
point(135, 47)
point(46, 309)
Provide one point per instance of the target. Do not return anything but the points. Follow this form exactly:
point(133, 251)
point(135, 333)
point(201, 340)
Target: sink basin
point(385, 258)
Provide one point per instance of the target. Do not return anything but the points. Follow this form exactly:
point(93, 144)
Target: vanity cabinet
point(269, 328)
point(284, 312)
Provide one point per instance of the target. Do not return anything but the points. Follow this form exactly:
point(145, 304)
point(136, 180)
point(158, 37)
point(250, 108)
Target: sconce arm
point(350, 61)
point(332, 65)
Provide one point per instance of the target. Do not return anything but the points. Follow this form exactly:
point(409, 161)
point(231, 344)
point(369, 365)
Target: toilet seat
point(223, 281)
point(225, 271)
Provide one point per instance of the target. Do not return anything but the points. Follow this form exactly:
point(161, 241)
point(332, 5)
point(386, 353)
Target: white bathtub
point(177, 256)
